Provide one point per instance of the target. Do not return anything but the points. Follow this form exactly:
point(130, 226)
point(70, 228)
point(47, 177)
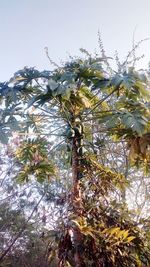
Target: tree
point(99, 116)
point(26, 237)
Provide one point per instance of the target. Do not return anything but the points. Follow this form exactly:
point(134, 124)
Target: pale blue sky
point(27, 26)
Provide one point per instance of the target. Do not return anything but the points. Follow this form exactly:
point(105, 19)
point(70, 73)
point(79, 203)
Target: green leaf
point(13, 123)
point(143, 90)
point(116, 80)
point(64, 91)
point(128, 81)
point(113, 120)
point(3, 136)
point(134, 121)
point(52, 84)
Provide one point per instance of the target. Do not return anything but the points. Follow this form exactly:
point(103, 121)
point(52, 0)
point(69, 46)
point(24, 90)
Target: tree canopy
point(82, 133)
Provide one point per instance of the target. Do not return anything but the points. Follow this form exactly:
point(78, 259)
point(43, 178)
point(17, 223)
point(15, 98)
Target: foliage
point(34, 160)
point(97, 127)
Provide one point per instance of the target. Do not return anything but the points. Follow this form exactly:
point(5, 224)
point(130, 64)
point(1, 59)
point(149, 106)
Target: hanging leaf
point(139, 147)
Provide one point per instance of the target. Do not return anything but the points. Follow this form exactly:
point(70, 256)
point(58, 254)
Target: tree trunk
point(77, 204)
point(76, 192)
point(76, 237)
